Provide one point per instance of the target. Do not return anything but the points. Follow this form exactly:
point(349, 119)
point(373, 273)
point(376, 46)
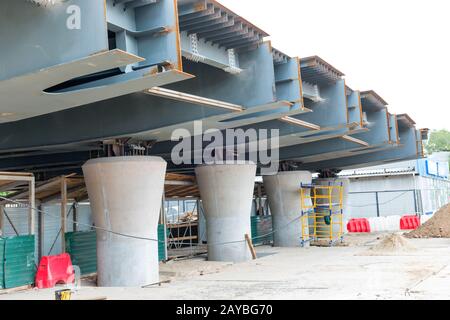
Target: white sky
point(399, 48)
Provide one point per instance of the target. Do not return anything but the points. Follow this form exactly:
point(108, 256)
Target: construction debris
point(328, 244)
point(436, 227)
point(391, 244)
point(189, 217)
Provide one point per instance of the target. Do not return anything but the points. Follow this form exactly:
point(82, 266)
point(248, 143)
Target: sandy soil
point(436, 227)
point(391, 244)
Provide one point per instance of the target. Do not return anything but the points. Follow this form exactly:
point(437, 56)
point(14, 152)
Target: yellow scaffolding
point(322, 212)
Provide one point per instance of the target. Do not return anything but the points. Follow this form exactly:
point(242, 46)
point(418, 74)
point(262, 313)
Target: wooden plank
point(39, 188)
point(32, 208)
point(40, 232)
point(251, 247)
point(175, 189)
point(92, 299)
point(184, 225)
point(23, 174)
point(56, 195)
point(63, 213)
point(8, 186)
point(53, 182)
point(183, 238)
point(16, 178)
point(82, 198)
point(74, 178)
point(178, 183)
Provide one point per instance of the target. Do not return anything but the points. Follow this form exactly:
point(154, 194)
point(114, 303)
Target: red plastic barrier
point(409, 223)
point(53, 270)
point(358, 226)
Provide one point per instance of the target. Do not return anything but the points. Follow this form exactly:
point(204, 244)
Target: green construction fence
point(17, 261)
point(261, 227)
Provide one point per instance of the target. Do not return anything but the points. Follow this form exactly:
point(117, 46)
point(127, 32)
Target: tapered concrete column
point(283, 192)
point(125, 195)
point(227, 194)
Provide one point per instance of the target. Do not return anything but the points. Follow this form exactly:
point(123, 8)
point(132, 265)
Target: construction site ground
point(345, 272)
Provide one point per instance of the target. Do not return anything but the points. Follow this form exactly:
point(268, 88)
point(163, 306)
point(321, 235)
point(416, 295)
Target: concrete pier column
point(283, 192)
point(227, 194)
point(125, 195)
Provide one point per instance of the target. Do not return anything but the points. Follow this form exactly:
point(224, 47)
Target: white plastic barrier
point(425, 218)
point(383, 224)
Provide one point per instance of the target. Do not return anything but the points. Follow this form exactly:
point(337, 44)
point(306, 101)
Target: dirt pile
point(436, 227)
point(393, 243)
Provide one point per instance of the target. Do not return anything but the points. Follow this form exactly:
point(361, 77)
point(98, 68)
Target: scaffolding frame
point(325, 211)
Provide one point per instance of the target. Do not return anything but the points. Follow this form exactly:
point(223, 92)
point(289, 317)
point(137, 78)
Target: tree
point(439, 141)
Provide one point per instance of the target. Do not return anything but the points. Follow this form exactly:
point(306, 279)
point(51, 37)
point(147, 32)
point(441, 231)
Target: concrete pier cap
point(283, 192)
point(227, 194)
point(125, 195)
